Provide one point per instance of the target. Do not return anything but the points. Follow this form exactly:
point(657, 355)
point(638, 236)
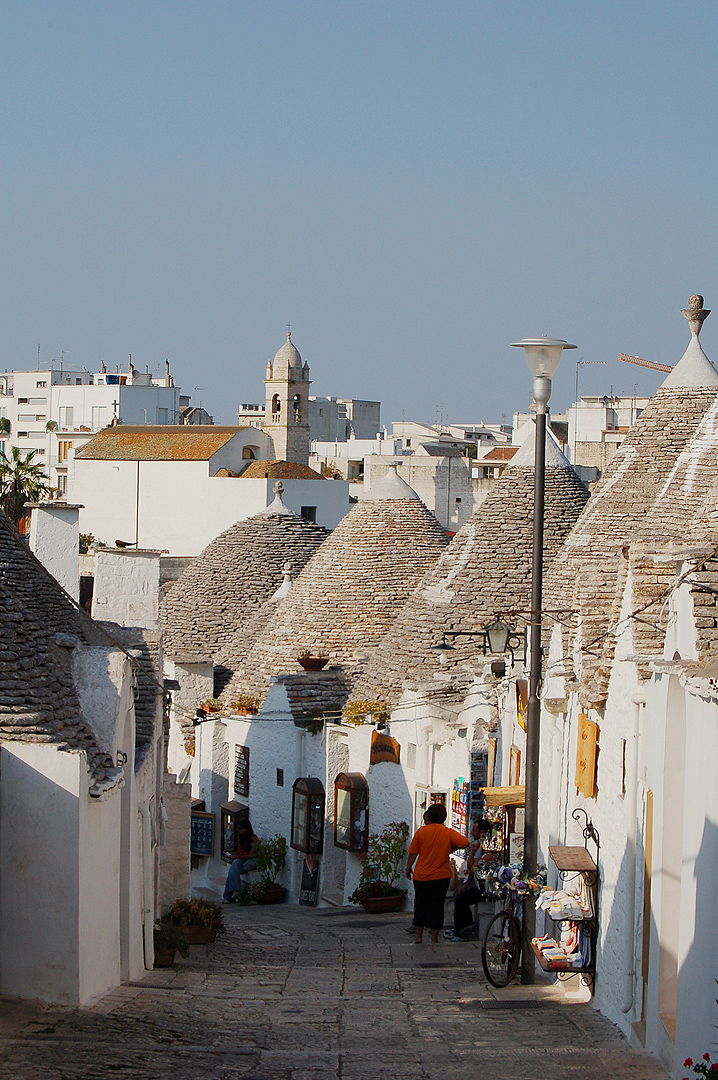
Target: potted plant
point(211, 705)
point(245, 704)
point(377, 890)
point(271, 856)
point(169, 939)
point(201, 919)
point(311, 663)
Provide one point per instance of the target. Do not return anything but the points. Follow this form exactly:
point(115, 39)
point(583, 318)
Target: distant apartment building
point(57, 412)
point(330, 419)
point(596, 428)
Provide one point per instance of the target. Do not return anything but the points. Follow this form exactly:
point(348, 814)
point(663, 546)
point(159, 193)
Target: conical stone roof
point(40, 627)
point(485, 571)
point(223, 593)
point(350, 592)
point(652, 489)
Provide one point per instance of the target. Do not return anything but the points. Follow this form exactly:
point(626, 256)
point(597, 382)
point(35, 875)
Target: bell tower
point(286, 404)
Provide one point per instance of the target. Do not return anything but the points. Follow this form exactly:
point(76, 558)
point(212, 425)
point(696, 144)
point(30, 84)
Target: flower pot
point(313, 663)
point(272, 896)
point(200, 935)
point(164, 957)
point(377, 905)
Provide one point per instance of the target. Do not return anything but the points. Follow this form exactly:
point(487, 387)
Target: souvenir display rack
point(573, 863)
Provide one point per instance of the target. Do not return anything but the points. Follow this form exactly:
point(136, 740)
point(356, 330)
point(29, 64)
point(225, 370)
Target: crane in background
point(644, 363)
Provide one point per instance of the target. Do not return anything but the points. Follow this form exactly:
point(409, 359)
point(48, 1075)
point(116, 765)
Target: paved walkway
point(295, 994)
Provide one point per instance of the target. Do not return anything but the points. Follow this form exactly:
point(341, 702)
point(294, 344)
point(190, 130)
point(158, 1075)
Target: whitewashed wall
point(181, 507)
point(59, 878)
point(55, 540)
point(127, 587)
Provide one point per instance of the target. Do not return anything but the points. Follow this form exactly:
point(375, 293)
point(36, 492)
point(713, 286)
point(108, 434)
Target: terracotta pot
point(272, 896)
point(377, 905)
point(200, 935)
point(164, 957)
point(313, 663)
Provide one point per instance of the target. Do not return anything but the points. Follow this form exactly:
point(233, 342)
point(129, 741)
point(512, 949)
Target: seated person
point(470, 892)
point(242, 863)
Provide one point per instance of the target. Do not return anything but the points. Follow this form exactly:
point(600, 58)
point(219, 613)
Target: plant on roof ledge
point(365, 712)
point(245, 703)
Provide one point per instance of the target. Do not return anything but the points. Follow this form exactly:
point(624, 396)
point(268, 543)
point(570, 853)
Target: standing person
point(242, 863)
point(430, 849)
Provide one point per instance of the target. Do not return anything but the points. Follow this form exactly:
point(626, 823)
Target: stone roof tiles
point(349, 593)
point(659, 488)
point(485, 571)
point(223, 593)
point(38, 699)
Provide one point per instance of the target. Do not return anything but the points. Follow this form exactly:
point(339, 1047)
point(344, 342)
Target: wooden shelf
point(573, 859)
point(554, 967)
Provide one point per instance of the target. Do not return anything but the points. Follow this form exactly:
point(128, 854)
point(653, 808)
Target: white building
point(57, 412)
point(596, 428)
point(82, 866)
point(175, 489)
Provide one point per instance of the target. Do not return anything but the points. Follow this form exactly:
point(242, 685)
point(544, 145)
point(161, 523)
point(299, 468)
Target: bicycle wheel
point(501, 949)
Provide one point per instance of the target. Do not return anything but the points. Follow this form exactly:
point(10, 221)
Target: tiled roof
point(484, 572)
point(279, 470)
point(181, 443)
point(349, 593)
point(500, 453)
point(227, 586)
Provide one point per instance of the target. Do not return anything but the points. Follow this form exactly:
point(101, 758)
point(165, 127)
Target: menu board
point(241, 772)
point(202, 834)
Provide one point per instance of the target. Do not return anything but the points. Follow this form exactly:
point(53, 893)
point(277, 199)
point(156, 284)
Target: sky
point(412, 185)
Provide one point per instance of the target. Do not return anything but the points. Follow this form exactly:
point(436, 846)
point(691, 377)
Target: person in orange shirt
point(430, 848)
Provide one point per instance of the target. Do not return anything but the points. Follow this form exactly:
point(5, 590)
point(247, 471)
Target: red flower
point(687, 1063)
point(714, 1066)
point(706, 1057)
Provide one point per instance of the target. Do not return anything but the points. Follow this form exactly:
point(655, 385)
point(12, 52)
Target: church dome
point(287, 357)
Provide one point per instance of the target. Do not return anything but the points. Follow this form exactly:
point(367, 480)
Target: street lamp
point(542, 356)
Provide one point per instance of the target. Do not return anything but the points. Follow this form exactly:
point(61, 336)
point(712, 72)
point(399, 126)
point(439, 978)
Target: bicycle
point(501, 948)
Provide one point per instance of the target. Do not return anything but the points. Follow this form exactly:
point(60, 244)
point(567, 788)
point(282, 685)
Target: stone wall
point(174, 877)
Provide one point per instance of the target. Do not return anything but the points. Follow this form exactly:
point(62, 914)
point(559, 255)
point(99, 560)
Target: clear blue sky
point(413, 185)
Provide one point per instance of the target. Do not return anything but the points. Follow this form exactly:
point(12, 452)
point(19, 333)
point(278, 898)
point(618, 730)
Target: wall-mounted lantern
point(308, 801)
point(351, 812)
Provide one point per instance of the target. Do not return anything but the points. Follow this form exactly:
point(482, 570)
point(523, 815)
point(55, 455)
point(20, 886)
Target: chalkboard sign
point(241, 772)
point(202, 834)
point(310, 882)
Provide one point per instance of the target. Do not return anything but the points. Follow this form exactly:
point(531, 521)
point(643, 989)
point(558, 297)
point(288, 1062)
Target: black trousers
point(463, 901)
point(429, 897)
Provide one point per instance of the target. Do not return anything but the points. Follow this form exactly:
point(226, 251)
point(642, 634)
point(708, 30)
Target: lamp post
point(542, 356)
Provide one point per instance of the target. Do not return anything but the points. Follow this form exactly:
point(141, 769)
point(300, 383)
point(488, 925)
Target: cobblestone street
point(294, 994)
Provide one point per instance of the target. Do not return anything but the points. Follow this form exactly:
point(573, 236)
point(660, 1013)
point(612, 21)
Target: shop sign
point(383, 748)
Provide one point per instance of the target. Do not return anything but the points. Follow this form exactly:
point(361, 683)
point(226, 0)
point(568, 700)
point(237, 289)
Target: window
point(62, 483)
point(22, 434)
point(2, 447)
point(309, 513)
point(66, 415)
point(276, 407)
point(351, 812)
point(248, 453)
point(297, 408)
point(280, 777)
point(23, 401)
point(63, 448)
point(99, 417)
point(40, 385)
point(308, 815)
point(78, 382)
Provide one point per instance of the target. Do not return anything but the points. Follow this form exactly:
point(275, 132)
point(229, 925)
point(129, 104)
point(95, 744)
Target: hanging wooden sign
point(586, 756)
point(522, 702)
point(241, 772)
point(383, 748)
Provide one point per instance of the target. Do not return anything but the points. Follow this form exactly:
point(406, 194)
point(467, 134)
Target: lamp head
point(542, 354)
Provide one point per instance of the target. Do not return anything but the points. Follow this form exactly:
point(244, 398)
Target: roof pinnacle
point(695, 313)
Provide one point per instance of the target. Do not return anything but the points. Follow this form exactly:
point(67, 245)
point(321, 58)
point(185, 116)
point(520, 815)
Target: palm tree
point(21, 480)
